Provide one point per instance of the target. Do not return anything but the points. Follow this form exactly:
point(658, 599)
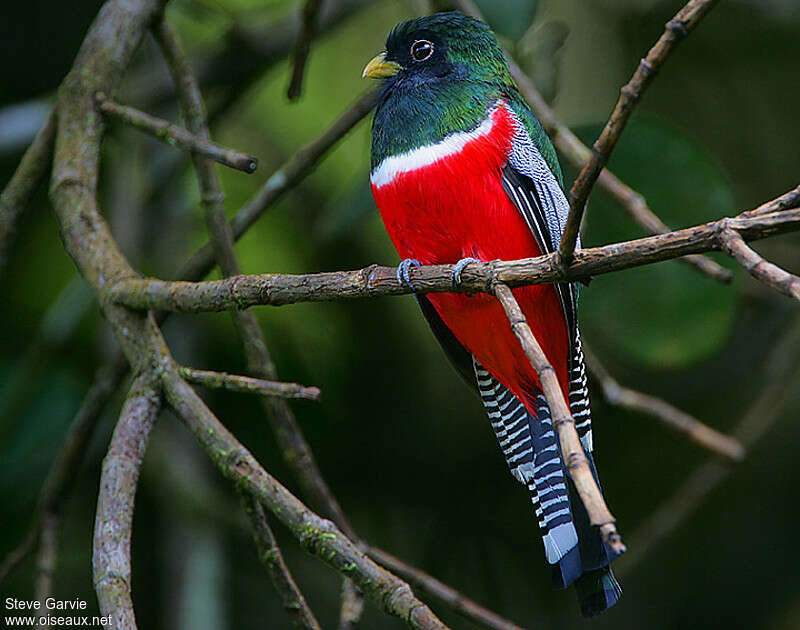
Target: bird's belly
point(441, 214)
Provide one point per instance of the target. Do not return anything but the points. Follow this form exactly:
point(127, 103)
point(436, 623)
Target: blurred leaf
point(666, 314)
point(511, 18)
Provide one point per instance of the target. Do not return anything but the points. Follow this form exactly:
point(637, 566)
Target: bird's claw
point(402, 272)
point(458, 269)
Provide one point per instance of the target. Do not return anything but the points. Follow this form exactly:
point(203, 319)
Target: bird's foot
point(402, 272)
point(458, 269)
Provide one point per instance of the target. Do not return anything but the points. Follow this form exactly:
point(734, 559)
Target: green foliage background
point(404, 445)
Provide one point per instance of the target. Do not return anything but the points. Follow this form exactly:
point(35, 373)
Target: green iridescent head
point(439, 48)
point(441, 73)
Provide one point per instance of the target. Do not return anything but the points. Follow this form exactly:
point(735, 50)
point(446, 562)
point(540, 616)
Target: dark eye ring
point(421, 50)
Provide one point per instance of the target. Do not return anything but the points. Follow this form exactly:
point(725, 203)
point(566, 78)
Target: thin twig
point(249, 385)
point(213, 199)
point(114, 522)
point(277, 289)
point(352, 606)
point(24, 182)
point(630, 94)
point(175, 135)
point(46, 561)
point(63, 471)
point(56, 327)
point(459, 602)
point(283, 180)
point(247, 52)
point(318, 536)
point(300, 615)
point(578, 154)
point(782, 370)
point(303, 47)
point(572, 453)
point(677, 420)
point(762, 270)
point(786, 201)
point(633, 202)
point(295, 449)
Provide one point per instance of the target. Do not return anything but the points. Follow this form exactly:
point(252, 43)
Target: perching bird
point(462, 171)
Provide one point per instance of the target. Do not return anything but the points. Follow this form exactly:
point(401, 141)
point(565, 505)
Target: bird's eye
point(421, 50)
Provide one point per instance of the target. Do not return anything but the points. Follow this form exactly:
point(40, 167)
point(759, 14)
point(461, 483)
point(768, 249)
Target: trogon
point(462, 171)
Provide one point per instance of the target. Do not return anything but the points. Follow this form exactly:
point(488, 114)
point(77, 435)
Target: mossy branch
point(241, 292)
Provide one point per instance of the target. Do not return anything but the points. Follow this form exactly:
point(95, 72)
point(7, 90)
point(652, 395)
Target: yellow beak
point(378, 68)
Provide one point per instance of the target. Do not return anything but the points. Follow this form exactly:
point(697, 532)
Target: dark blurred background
point(402, 442)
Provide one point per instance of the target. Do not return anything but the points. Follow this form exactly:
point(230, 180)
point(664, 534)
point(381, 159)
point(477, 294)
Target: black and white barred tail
point(532, 452)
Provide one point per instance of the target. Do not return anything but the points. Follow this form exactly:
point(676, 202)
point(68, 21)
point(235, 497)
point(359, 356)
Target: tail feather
point(573, 548)
point(597, 591)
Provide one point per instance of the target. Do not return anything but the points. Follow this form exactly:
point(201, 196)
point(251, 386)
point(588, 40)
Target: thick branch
point(303, 47)
point(677, 29)
point(283, 180)
point(459, 602)
point(248, 385)
point(570, 146)
point(24, 182)
point(761, 269)
point(278, 289)
point(175, 135)
point(318, 536)
point(677, 420)
point(572, 453)
point(294, 603)
point(114, 522)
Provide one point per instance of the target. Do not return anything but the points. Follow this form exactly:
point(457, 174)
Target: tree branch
point(318, 536)
point(282, 180)
point(578, 154)
point(114, 521)
point(46, 561)
point(571, 450)
point(294, 603)
point(247, 52)
point(677, 420)
point(459, 602)
point(248, 385)
point(303, 47)
point(277, 289)
point(253, 341)
point(676, 30)
point(761, 269)
point(296, 451)
point(352, 606)
point(24, 182)
point(787, 200)
point(175, 135)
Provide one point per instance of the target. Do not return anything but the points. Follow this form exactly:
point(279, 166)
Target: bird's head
point(444, 47)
